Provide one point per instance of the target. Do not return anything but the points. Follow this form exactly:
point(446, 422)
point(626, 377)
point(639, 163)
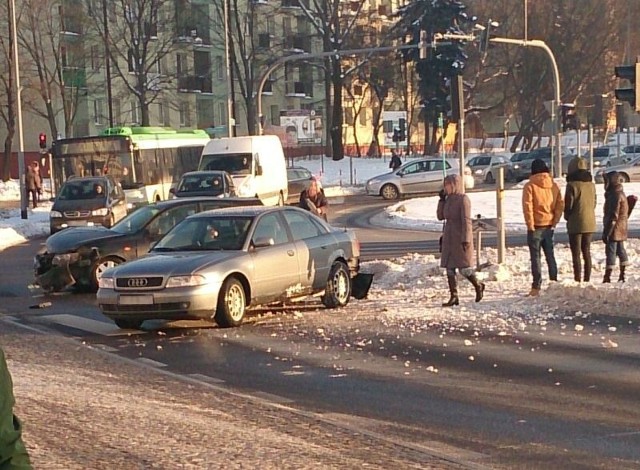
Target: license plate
point(135, 300)
point(76, 223)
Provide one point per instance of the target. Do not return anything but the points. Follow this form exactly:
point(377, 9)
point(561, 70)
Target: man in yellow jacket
point(13, 455)
point(542, 206)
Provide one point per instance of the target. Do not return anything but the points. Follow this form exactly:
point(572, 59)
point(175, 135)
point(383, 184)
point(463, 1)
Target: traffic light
point(457, 98)
point(42, 140)
point(402, 131)
point(569, 117)
point(630, 94)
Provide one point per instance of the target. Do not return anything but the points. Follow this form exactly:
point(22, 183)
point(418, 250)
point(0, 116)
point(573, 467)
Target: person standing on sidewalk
point(454, 208)
point(13, 454)
point(580, 214)
point(615, 225)
point(33, 184)
point(542, 206)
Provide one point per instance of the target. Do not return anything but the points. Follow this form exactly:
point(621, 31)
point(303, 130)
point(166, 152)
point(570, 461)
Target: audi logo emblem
point(137, 282)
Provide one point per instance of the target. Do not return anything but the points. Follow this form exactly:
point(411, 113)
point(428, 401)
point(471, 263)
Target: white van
point(256, 163)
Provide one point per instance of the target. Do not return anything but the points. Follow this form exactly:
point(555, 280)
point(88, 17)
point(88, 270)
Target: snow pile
point(9, 190)
point(15, 230)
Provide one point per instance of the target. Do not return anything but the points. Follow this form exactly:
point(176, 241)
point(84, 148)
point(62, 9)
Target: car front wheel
point(389, 191)
point(338, 289)
point(231, 304)
point(489, 179)
point(127, 324)
point(100, 267)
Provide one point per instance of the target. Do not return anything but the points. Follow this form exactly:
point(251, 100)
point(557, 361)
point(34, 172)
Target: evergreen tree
point(442, 63)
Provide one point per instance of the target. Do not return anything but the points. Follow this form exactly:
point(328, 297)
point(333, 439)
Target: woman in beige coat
point(454, 208)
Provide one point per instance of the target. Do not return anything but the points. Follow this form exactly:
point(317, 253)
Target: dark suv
point(79, 256)
point(87, 202)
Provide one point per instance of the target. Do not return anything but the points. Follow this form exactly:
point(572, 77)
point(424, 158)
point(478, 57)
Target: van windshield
point(232, 163)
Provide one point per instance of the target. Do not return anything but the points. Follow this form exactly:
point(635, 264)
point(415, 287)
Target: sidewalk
point(82, 408)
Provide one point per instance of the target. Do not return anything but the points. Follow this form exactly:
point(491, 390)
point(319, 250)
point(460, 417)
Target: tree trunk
point(329, 110)
point(6, 157)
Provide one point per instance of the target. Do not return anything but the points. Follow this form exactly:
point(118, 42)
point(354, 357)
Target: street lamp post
point(227, 61)
point(16, 67)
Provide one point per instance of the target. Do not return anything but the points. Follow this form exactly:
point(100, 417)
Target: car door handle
point(291, 252)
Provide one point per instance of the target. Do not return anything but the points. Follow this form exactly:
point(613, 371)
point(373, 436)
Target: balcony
point(296, 89)
point(74, 77)
point(195, 84)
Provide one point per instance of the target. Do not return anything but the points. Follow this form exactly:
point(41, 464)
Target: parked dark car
point(543, 153)
point(79, 256)
point(205, 183)
point(298, 179)
point(87, 202)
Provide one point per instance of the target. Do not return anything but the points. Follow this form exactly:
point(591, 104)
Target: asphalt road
point(545, 398)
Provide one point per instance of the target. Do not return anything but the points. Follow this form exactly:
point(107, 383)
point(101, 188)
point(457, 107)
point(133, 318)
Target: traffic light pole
point(557, 164)
point(16, 67)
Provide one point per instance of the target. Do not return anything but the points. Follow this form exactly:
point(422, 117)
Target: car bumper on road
point(179, 303)
point(372, 189)
point(59, 223)
point(53, 272)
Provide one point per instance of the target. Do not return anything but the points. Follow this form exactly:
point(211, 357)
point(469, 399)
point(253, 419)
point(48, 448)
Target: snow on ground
point(410, 290)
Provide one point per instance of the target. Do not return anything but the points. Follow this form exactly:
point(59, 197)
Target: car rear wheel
point(127, 324)
point(489, 179)
point(231, 304)
point(389, 191)
point(99, 267)
point(338, 289)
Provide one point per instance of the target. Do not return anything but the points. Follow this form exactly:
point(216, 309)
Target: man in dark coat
point(454, 208)
point(615, 225)
point(13, 454)
point(314, 200)
point(395, 161)
point(580, 214)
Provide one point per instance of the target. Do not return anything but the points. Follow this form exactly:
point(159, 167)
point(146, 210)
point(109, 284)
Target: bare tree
point(7, 89)
point(140, 35)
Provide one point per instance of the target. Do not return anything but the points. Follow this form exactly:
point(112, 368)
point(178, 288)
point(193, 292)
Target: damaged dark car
point(79, 256)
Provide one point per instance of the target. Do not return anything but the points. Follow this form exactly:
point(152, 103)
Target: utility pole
point(107, 60)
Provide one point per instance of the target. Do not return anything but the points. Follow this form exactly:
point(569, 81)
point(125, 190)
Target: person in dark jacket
point(454, 208)
point(33, 184)
point(395, 161)
point(314, 200)
point(615, 225)
point(580, 214)
point(13, 454)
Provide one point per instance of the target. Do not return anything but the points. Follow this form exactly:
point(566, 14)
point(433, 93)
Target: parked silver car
point(416, 176)
point(216, 264)
point(484, 168)
point(628, 171)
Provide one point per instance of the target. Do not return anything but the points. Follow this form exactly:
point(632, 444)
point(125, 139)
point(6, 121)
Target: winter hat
point(539, 166)
point(577, 163)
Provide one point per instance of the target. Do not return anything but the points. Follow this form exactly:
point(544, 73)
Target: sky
point(410, 289)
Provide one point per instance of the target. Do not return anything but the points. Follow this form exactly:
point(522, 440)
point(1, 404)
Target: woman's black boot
point(453, 289)
point(478, 286)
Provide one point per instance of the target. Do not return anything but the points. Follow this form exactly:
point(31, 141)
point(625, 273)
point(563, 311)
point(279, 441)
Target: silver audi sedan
point(217, 264)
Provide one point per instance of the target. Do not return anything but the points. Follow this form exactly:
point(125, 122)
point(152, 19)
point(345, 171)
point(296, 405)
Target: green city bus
point(146, 160)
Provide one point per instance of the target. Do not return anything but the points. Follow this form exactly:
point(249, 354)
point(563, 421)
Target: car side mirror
point(172, 191)
point(263, 241)
point(52, 199)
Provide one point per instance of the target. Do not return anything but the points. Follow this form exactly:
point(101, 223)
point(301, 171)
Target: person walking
point(314, 200)
point(13, 454)
point(580, 214)
point(454, 207)
point(542, 206)
point(395, 161)
point(33, 185)
point(615, 225)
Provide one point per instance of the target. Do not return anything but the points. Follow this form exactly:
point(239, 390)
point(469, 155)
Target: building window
point(362, 116)
point(117, 111)
point(204, 111)
point(181, 64)
point(63, 56)
point(275, 115)
point(132, 61)
point(96, 58)
point(135, 112)
point(98, 113)
point(219, 68)
point(222, 113)
point(185, 118)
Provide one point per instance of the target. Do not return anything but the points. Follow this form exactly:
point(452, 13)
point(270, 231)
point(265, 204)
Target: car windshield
point(136, 220)
point(213, 233)
point(232, 163)
point(82, 190)
point(204, 183)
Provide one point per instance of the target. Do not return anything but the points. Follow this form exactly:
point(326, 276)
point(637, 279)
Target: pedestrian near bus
point(33, 184)
point(542, 206)
point(13, 454)
point(580, 214)
point(454, 207)
point(615, 225)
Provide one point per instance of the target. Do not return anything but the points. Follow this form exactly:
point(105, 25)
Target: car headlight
point(106, 283)
point(186, 281)
point(478, 172)
point(373, 181)
point(100, 212)
point(515, 167)
point(245, 191)
point(55, 214)
point(65, 258)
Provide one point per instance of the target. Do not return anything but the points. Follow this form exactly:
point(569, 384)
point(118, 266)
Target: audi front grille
point(137, 283)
